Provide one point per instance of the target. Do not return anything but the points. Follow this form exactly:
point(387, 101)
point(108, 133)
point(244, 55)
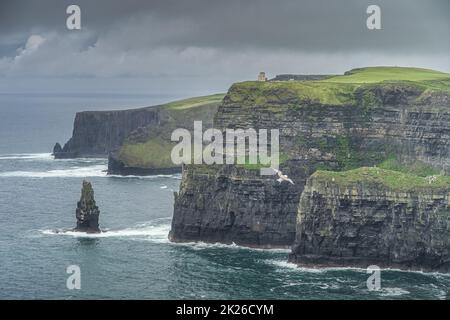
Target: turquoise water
point(134, 259)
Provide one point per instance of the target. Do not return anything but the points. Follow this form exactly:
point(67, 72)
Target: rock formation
point(371, 216)
point(87, 212)
point(57, 149)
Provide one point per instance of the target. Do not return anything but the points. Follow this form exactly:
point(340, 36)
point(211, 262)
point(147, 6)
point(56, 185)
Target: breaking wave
point(72, 172)
point(176, 176)
point(146, 231)
point(27, 156)
point(205, 245)
point(392, 292)
point(292, 266)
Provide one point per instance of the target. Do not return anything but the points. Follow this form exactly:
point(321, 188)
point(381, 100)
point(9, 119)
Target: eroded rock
point(87, 212)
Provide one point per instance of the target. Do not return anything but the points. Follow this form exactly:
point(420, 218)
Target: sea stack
point(87, 212)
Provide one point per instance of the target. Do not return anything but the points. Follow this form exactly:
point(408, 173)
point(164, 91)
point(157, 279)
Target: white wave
point(153, 233)
point(163, 187)
point(27, 156)
point(73, 172)
point(206, 245)
point(294, 267)
point(442, 295)
point(47, 157)
point(171, 176)
point(83, 160)
point(393, 292)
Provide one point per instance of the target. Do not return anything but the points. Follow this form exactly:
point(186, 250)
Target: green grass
point(153, 150)
point(394, 180)
point(291, 92)
point(380, 74)
point(337, 90)
point(418, 168)
point(257, 166)
point(195, 102)
point(154, 153)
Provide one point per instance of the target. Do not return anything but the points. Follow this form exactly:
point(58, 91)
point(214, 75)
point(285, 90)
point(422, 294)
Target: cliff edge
point(373, 216)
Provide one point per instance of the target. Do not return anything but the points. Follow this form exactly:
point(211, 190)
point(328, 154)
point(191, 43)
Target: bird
point(282, 177)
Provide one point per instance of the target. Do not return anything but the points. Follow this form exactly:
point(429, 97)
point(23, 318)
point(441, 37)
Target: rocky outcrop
point(87, 212)
point(367, 217)
point(322, 126)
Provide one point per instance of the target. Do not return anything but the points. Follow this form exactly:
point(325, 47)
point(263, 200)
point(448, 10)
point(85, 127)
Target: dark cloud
point(175, 39)
point(310, 25)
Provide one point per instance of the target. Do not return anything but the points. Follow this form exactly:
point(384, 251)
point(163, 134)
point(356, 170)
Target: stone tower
point(262, 76)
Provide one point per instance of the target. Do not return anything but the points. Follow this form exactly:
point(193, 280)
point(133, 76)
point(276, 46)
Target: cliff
point(147, 149)
point(359, 119)
point(230, 204)
point(374, 216)
point(97, 133)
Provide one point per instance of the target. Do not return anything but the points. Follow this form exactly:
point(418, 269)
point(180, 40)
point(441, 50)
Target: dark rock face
point(229, 204)
point(59, 153)
point(96, 133)
point(365, 224)
point(312, 136)
point(57, 148)
point(87, 212)
point(117, 167)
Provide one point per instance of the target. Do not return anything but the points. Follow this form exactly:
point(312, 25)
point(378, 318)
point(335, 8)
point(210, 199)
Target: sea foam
point(147, 231)
point(27, 156)
point(72, 172)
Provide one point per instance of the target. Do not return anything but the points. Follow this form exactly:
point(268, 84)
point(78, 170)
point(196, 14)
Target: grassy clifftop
point(340, 90)
point(380, 74)
point(151, 147)
point(393, 180)
point(194, 102)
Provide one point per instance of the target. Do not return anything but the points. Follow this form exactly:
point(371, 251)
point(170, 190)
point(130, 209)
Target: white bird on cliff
point(282, 177)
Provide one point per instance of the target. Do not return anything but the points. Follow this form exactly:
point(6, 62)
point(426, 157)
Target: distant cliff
point(374, 216)
point(96, 133)
point(340, 123)
point(100, 133)
point(147, 150)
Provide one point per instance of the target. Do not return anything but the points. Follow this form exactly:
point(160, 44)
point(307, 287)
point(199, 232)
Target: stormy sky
point(191, 47)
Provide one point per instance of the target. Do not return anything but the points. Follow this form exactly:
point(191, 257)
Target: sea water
point(134, 258)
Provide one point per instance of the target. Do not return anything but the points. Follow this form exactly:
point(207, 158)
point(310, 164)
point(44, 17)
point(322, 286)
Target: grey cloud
point(308, 25)
point(168, 41)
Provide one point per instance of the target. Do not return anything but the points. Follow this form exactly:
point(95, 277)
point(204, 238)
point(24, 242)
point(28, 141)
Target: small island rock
point(87, 212)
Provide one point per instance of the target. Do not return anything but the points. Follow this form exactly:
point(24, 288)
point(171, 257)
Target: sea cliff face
point(147, 150)
point(96, 133)
point(323, 125)
point(230, 204)
point(137, 141)
point(371, 216)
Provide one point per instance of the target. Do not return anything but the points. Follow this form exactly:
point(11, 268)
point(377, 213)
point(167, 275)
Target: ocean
point(134, 259)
